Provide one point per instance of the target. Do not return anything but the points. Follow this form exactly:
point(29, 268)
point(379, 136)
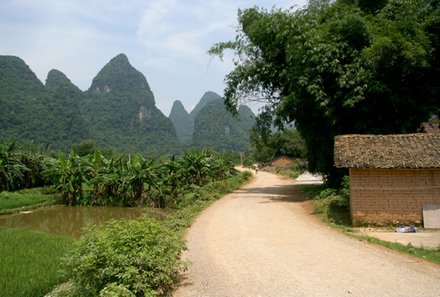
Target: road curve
point(260, 241)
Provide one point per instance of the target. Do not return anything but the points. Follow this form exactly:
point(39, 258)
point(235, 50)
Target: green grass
point(431, 255)
point(30, 262)
point(25, 199)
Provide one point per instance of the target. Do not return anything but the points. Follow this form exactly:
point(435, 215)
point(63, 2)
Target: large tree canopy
point(338, 67)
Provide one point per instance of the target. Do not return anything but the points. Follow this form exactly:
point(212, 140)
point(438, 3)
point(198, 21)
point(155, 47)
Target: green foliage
point(266, 147)
point(338, 67)
point(67, 175)
point(137, 256)
point(115, 290)
point(334, 204)
point(30, 262)
point(19, 167)
point(121, 258)
point(133, 180)
point(85, 147)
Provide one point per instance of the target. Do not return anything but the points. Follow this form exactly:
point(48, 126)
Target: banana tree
point(67, 176)
point(196, 166)
point(12, 170)
point(106, 179)
point(141, 174)
point(172, 179)
point(221, 166)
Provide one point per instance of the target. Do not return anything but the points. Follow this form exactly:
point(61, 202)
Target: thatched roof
point(421, 150)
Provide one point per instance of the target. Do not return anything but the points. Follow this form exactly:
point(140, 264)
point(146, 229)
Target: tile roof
point(421, 150)
point(431, 127)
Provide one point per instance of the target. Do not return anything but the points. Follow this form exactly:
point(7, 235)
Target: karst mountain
point(117, 112)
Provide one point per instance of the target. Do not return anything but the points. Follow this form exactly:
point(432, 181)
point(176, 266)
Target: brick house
point(391, 176)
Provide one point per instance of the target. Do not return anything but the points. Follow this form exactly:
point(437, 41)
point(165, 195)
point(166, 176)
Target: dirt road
point(260, 241)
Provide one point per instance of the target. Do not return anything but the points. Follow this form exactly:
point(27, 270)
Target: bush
point(115, 290)
point(334, 204)
point(140, 257)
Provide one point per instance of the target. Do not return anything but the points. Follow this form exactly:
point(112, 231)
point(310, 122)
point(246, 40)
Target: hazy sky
point(166, 40)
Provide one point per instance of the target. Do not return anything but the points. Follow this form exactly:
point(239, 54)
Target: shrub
point(140, 257)
point(115, 290)
point(334, 204)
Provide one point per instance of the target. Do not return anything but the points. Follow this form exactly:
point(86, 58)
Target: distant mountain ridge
point(182, 121)
point(209, 124)
point(30, 111)
point(118, 111)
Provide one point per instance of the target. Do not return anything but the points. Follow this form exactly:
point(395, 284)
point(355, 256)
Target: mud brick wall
point(392, 196)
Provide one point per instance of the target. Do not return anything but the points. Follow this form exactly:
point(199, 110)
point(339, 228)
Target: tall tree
point(338, 67)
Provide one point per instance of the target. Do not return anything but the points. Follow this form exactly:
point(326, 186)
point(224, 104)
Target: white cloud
point(183, 29)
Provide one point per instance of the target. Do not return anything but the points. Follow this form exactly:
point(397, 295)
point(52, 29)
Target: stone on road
point(260, 241)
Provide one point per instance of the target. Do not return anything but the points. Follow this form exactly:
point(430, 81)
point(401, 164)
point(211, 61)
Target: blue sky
point(166, 40)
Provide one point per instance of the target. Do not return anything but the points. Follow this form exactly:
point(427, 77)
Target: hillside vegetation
point(209, 124)
point(117, 113)
point(121, 112)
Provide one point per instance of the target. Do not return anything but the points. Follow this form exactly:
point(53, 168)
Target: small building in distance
point(431, 127)
point(392, 177)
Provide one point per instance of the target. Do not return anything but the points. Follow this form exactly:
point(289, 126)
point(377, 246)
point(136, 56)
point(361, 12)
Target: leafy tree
point(85, 147)
point(287, 142)
point(338, 67)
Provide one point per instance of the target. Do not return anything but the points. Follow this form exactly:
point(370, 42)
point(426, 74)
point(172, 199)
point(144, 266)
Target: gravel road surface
point(262, 241)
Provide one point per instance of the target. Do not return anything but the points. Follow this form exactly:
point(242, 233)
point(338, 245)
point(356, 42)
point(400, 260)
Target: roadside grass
point(330, 207)
point(30, 262)
point(11, 202)
point(431, 255)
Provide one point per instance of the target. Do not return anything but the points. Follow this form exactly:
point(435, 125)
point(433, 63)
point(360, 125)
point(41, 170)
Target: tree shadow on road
point(281, 193)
